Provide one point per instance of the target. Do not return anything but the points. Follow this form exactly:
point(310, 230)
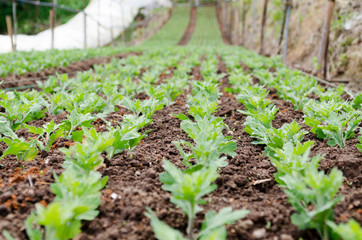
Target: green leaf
point(215, 234)
point(163, 231)
point(347, 231)
point(224, 216)
point(181, 116)
point(7, 235)
point(357, 102)
point(77, 136)
point(33, 234)
point(33, 129)
point(30, 154)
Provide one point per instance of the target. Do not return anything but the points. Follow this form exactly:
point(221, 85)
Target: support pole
point(98, 21)
point(111, 16)
point(243, 23)
point(323, 49)
point(124, 29)
point(52, 22)
point(224, 17)
point(253, 25)
point(265, 11)
point(286, 37)
point(283, 26)
point(229, 19)
point(9, 26)
point(15, 24)
point(236, 27)
point(231, 25)
point(85, 26)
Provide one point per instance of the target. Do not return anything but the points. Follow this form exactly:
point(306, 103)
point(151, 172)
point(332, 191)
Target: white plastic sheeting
point(106, 19)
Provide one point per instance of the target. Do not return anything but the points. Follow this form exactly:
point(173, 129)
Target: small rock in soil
point(286, 237)
point(246, 224)
point(10, 217)
point(259, 233)
point(265, 164)
point(232, 185)
point(114, 196)
point(29, 192)
point(241, 181)
point(151, 174)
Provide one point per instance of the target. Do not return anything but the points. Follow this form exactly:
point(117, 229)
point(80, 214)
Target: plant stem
point(190, 224)
point(341, 138)
point(190, 227)
point(325, 232)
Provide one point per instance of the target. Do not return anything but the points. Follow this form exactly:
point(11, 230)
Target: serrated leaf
point(162, 231)
point(216, 220)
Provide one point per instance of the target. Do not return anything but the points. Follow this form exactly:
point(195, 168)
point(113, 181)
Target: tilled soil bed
point(190, 28)
point(247, 182)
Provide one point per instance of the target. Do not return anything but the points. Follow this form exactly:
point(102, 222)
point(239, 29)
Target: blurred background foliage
point(33, 19)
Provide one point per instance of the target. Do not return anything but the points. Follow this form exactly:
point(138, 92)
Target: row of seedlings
point(310, 191)
point(189, 186)
point(83, 99)
point(330, 117)
point(77, 190)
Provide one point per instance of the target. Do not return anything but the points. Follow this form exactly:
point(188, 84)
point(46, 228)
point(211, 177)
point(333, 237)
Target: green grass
point(173, 30)
point(207, 32)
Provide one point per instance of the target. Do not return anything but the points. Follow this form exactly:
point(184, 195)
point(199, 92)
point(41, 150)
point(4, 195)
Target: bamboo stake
point(253, 26)
point(283, 26)
point(15, 24)
point(236, 27)
point(139, 33)
point(10, 31)
point(323, 50)
point(98, 26)
point(243, 23)
point(229, 19)
point(224, 17)
point(85, 25)
point(51, 20)
point(263, 26)
point(231, 26)
point(124, 29)
point(111, 18)
point(286, 37)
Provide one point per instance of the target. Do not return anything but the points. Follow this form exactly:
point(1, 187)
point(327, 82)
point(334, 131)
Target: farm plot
point(181, 143)
point(227, 130)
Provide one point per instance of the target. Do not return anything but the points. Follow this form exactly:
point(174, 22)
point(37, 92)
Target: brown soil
point(71, 69)
point(247, 182)
point(190, 28)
